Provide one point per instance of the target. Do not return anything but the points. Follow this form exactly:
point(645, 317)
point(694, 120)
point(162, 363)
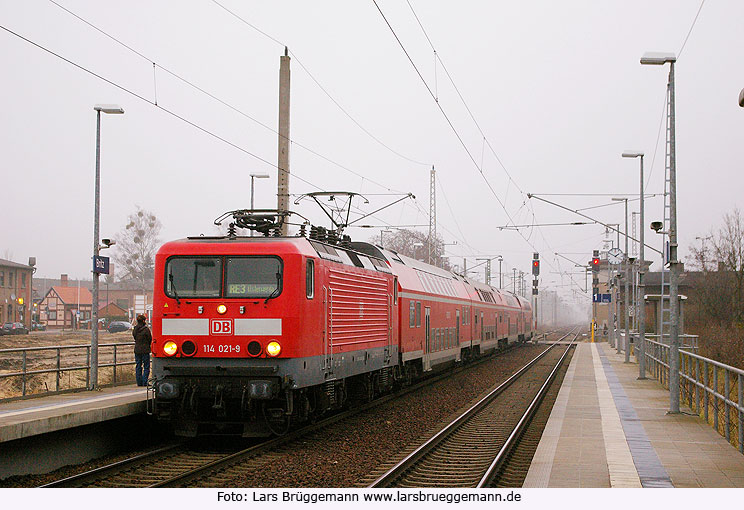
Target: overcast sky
point(555, 87)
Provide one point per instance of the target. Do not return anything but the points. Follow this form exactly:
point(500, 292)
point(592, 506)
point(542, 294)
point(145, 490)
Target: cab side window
point(310, 279)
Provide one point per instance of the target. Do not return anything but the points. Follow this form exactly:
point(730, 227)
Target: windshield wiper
point(278, 287)
point(173, 288)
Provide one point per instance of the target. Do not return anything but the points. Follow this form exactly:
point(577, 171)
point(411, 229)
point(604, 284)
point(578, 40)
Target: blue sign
point(100, 264)
point(602, 298)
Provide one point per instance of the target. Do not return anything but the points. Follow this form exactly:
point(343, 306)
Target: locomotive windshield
point(193, 277)
point(253, 277)
point(245, 277)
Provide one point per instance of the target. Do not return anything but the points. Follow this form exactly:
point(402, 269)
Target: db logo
point(220, 327)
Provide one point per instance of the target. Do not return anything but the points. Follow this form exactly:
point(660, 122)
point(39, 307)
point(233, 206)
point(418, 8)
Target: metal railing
point(28, 372)
point(714, 390)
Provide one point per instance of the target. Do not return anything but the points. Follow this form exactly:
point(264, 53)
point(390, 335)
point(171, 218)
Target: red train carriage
point(252, 333)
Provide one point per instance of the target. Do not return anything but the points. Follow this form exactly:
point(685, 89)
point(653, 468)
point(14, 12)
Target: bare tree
point(720, 291)
point(414, 244)
point(716, 303)
point(136, 246)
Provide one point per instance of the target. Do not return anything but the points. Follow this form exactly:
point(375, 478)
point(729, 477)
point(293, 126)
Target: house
point(63, 306)
point(15, 291)
point(127, 295)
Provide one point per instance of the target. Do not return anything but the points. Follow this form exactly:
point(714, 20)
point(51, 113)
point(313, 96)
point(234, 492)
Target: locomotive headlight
point(273, 349)
point(221, 309)
point(170, 348)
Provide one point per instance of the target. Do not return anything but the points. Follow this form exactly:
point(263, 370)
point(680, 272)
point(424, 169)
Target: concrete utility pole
point(282, 194)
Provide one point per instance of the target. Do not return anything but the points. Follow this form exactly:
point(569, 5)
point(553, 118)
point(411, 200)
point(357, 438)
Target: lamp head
point(108, 108)
point(656, 226)
point(657, 58)
point(632, 154)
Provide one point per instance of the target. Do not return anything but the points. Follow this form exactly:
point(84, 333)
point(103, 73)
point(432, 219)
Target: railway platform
point(36, 434)
point(609, 429)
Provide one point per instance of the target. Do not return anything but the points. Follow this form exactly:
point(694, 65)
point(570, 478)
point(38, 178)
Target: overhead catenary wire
point(320, 86)
point(215, 98)
point(472, 116)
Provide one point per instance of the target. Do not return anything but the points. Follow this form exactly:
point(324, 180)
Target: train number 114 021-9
point(222, 349)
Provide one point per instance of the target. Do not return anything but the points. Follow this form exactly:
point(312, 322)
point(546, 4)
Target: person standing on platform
point(142, 341)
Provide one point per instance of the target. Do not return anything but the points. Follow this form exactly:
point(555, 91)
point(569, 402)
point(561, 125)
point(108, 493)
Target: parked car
point(15, 328)
point(37, 326)
point(118, 326)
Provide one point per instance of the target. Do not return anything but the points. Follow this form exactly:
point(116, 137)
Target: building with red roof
point(63, 306)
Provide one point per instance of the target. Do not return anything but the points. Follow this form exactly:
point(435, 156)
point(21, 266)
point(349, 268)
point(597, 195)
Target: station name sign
point(100, 264)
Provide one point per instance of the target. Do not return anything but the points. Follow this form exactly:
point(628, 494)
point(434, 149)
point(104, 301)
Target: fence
point(713, 390)
point(26, 372)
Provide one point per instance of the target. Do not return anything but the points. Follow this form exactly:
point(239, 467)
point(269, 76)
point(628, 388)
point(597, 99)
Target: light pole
point(384, 231)
point(113, 109)
point(256, 176)
point(641, 311)
point(627, 274)
point(501, 278)
point(674, 264)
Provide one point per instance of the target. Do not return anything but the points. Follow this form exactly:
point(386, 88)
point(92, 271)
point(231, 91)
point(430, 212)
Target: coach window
point(418, 314)
point(395, 290)
point(310, 279)
point(412, 315)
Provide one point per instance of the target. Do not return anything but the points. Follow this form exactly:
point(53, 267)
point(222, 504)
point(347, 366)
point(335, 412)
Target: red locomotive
point(254, 333)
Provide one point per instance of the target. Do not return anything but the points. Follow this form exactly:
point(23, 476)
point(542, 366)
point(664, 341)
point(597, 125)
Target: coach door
point(457, 328)
point(327, 327)
point(482, 328)
point(427, 347)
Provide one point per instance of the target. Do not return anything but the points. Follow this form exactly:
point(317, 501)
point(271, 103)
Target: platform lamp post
point(501, 275)
point(641, 312)
point(112, 109)
point(627, 273)
point(674, 264)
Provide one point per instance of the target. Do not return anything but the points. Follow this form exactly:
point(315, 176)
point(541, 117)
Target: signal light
point(595, 264)
point(536, 267)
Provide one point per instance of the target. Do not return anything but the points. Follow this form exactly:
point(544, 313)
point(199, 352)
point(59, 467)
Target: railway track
point(180, 466)
point(473, 450)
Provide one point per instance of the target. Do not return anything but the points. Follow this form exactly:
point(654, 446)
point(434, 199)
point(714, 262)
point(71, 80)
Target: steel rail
point(518, 432)
point(186, 476)
point(439, 437)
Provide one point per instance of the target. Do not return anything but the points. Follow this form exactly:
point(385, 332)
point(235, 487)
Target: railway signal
point(595, 262)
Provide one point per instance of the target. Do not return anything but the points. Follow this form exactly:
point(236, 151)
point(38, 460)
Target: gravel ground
point(348, 454)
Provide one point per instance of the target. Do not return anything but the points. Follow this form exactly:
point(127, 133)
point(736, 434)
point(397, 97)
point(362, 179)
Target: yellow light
point(170, 348)
point(221, 309)
point(20, 300)
point(273, 349)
